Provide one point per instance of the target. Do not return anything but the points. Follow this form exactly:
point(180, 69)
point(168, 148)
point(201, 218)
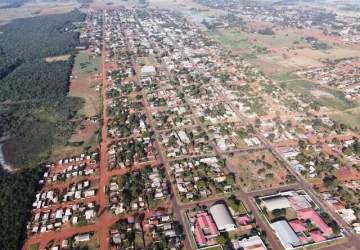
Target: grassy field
point(349, 118)
point(281, 61)
point(286, 50)
point(282, 39)
point(284, 77)
point(83, 85)
point(86, 65)
point(34, 247)
point(84, 82)
point(230, 39)
point(35, 8)
point(330, 98)
point(258, 170)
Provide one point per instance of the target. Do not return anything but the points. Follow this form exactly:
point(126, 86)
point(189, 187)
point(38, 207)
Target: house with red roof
point(297, 226)
point(204, 228)
point(347, 174)
point(313, 216)
point(317, 236)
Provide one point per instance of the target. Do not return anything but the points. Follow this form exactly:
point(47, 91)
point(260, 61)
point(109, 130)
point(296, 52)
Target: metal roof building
point(252, 243)
point(285, 234)
point(276, 202)
point(222, 217)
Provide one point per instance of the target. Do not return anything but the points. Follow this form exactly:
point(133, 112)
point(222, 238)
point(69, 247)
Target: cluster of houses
point(129, 152)
point(79, 190)
point(54, 219)
point(341, 74)
point(72, 171)
point(214, 113)
point(138, 190)
point(188, 141)
point(68, 194)
point(71, 168)
point(72, 192)
point(232, 136)
point(200, 178)
point(157, 229)
point(77, 240)
point(91, 33)
point(292, 15)
point(172, 118)
point(120, 232)
point(347, 214)
point(162, 225)
point(127, 123)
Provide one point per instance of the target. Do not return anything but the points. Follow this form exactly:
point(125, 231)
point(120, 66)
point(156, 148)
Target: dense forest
point(33, 92)
point(16, 196)
point(35, 111)
point(28, 39)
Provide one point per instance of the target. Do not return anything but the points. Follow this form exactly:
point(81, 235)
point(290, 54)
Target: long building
point(222, 217)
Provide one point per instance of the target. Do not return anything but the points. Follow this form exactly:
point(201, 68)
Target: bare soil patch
point(259, 170)
point(57, 58)
point(84, 131)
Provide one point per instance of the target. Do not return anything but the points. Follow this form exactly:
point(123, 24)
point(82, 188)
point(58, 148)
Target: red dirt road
point(104, 218)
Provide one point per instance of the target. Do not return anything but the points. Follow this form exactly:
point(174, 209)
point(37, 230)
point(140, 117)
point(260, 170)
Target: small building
point(82, 237)
point(148, 71)
point(252, 243)
point(222, 217)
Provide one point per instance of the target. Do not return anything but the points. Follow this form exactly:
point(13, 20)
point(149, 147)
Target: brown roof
point(347, 174)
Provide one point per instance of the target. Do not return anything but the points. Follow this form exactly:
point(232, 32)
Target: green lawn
point(284, 77)
point(34, 247)
point(230, 39)
point(86, 64)
point(330, 98)
point(242, 209)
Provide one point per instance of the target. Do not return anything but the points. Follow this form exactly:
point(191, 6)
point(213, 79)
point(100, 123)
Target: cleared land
point(84, 82)
point(349, 118)
point(285, 51)
point(259, 170)
point(35, 8)
point(57, 58)
point(231, 39)
point(330, 98)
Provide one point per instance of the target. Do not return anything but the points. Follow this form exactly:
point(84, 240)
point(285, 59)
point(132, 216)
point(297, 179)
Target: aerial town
point(201, 145)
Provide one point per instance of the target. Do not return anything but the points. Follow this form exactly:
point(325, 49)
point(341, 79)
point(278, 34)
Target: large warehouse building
point(222, 217)
point(286, 234)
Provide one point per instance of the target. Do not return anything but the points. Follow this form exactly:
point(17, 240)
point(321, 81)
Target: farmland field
point(35, 8)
